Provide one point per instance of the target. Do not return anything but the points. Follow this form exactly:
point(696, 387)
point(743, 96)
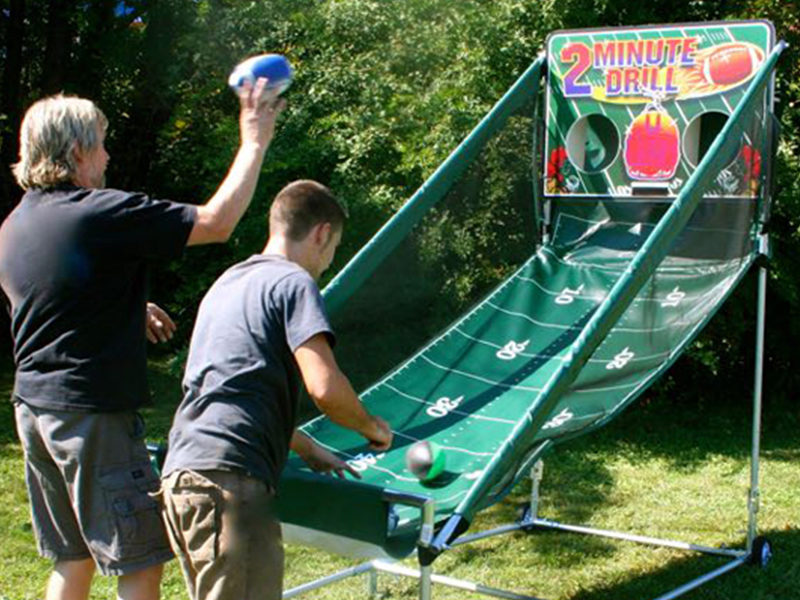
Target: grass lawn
point(665, 471)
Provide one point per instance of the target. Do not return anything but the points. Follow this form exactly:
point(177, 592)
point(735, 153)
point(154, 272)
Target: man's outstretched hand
point(320, 459)
point(380, 437)
point(260, 107)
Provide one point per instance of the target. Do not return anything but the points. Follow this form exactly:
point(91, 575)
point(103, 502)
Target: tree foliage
point(384, 90)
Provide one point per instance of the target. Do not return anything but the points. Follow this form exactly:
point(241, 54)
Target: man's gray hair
point(51, 130)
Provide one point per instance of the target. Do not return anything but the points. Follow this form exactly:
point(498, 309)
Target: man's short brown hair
point(302, 205)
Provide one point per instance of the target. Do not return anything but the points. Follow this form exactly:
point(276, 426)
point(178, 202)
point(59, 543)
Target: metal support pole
point(753, 499)
point(696, 583)
point(313, 585)
point(536, 181)
point(536, 479)
point(640, 539)
point(450, 581)
point(372, 584)
point(425, 591)
point(481, 535)
point(547, 212)
point(425, 538)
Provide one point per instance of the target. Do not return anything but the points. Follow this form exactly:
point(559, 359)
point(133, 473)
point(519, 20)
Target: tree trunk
point(12, 79)
point(57, 47)
point(91, 52)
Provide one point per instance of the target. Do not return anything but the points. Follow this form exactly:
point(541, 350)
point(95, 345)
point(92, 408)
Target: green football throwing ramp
point(629, 272)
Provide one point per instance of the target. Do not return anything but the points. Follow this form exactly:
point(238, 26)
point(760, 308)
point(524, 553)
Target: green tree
point(384, 90)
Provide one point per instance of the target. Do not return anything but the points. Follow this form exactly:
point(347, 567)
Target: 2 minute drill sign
point(629, 65)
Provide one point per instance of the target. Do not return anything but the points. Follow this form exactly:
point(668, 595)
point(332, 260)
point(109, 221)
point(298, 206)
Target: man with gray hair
point(73, 268)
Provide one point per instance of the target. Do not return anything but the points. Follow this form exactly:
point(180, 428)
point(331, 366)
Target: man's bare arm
point(218, 217)
point(332, 393)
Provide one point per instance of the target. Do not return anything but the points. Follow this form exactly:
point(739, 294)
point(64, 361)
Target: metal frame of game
point(758, 550)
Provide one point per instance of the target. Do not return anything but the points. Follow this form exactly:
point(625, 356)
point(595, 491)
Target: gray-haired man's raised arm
point(217, 218)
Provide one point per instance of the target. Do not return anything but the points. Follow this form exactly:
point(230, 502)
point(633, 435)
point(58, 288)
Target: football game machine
point(652, 150)
point(630, 115)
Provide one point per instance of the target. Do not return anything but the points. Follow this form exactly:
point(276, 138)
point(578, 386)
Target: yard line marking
point(649, 357)
point(674, 272)
point(531, 319)
point(598, 298)
point(454, 411)
point(499, 346)
point(626, 223)
point(469, 315)
point(558, 357)
point(351, 457)
point(448, 448)
point(559, 292)
point(483, 379)
point(675, 352)
point(701, 300)
point(606, 389)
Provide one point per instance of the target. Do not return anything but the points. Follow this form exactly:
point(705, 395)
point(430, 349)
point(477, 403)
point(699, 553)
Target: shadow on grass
point(686, 436)
point(778, 581)
point(575, 483)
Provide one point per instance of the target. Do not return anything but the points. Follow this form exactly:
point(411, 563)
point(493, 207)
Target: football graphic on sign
point(730, 64)
point(652, 147)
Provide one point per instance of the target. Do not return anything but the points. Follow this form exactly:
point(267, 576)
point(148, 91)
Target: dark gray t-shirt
point(241, 385)
point(74, 269)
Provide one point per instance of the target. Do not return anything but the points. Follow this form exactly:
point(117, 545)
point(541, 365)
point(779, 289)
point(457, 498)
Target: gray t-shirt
point(242, 384)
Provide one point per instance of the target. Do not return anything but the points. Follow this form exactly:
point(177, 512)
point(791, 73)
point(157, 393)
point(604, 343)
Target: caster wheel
point(761, 553)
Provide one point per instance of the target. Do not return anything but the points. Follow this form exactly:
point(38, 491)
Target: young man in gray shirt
point(260, 329)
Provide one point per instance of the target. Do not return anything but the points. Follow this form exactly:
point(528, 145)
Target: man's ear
point(323, 233)
point(78, 153)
